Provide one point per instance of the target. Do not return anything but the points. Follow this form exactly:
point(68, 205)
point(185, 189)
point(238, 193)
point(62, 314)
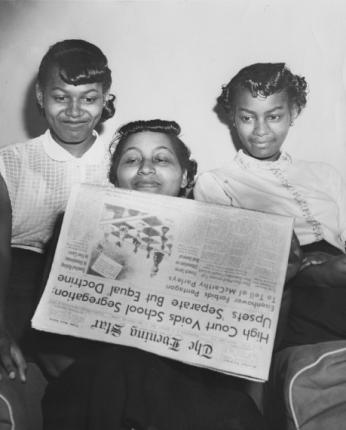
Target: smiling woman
point(149, 164)
point(36, 178)
point(71, 111)
point(262, 123)
point(261, 101)
point(149, 156)
point(73, 92)
point(127, 388)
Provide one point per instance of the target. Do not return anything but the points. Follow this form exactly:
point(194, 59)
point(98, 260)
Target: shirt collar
point(56, 152)
point(248, 162)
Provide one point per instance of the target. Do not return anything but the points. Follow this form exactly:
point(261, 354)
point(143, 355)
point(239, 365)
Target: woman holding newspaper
point(126, 388)
point(72, 91)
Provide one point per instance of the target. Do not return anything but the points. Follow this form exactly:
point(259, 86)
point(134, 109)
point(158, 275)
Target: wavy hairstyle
point(264, 79)
point(78, 62)
point(169, 128)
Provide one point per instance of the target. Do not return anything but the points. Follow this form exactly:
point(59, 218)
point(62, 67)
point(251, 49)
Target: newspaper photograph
point(195, 282)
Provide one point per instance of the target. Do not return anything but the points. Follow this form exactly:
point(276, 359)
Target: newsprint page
point(196, 282)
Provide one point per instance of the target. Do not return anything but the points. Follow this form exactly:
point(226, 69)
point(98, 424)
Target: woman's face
point(262, 123)
point(72, 111)
point(148, 163)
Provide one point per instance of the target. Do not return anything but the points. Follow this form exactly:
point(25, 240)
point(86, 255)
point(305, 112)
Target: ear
point(232, 118)
point(39, 95)
point(294, 113)
point(184, 180)
point(106, 97)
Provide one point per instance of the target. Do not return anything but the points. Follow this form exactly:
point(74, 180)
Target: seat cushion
point(310, 380)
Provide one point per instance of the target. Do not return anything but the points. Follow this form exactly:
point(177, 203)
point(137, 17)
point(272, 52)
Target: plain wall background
point(170, 58)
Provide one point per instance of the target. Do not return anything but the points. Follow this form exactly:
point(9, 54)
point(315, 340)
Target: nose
point(261, 128)
point(146, 167)
point(73, 109)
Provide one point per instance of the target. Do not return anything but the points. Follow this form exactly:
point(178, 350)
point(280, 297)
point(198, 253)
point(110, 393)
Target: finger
point(20, 362)
point(316, 262)
point(305, 264)
point(309, 263)
point(6, 359)
point(8, 365)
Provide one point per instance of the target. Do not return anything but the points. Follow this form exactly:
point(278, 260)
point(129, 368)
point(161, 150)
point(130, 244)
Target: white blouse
point(311, 192)
point(39, 175)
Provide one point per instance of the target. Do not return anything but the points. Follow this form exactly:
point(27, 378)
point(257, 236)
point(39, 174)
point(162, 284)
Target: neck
point(274, 157)
point(77, 149)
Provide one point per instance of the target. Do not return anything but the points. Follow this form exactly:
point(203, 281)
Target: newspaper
point(196, 282)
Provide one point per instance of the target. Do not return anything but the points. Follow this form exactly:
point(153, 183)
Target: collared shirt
point(39, 175)
point(311, 192)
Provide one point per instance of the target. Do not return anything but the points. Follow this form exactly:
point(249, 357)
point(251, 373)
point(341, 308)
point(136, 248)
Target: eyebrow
point(279, 107)
point(64, 91)
point(160, 147)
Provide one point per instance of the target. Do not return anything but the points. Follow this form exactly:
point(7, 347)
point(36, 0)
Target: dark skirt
point(23, 293)
point(28, 276)
point(126, 388)
point(317, 314)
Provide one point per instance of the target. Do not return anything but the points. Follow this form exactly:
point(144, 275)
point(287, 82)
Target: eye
point(274, 117)
point(90, 100)
point(245, 118)
point(60, 98)
point(131, 160)
point(161, 159)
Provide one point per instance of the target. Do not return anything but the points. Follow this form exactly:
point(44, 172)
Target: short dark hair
point(265, 79)
point(170, 128)
point(78, 62)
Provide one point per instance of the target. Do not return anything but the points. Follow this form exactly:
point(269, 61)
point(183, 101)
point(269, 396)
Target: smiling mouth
point(75, 123)
point(261, 142)
point(146, 184)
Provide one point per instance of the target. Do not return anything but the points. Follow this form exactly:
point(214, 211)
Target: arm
point(11, 357)
point(320, 269)
point(338, 191)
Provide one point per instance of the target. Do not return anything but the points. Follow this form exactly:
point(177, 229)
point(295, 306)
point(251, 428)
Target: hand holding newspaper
point(195, 282)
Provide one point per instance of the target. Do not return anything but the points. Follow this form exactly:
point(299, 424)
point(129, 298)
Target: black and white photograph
point(239, 104)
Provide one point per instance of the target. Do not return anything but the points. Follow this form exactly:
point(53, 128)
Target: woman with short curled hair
point(72, 91)
point(129, 389)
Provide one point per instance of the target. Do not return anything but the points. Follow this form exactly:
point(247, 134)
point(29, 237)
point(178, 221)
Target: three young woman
point(262, 102)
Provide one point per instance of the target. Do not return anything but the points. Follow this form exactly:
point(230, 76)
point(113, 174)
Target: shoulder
point(102, 140)
point(17, 149)
point(317, 171)
point(211, 186)
point(214, 176)
point(100, 150)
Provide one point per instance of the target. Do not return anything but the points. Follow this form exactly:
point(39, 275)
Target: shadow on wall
point(225, 119)
point(34, 121)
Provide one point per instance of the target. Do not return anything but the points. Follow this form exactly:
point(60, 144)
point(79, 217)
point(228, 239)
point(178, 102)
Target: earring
point(291, 122)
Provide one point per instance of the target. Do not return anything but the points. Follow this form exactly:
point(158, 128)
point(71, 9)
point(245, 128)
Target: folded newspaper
point(192, 281)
